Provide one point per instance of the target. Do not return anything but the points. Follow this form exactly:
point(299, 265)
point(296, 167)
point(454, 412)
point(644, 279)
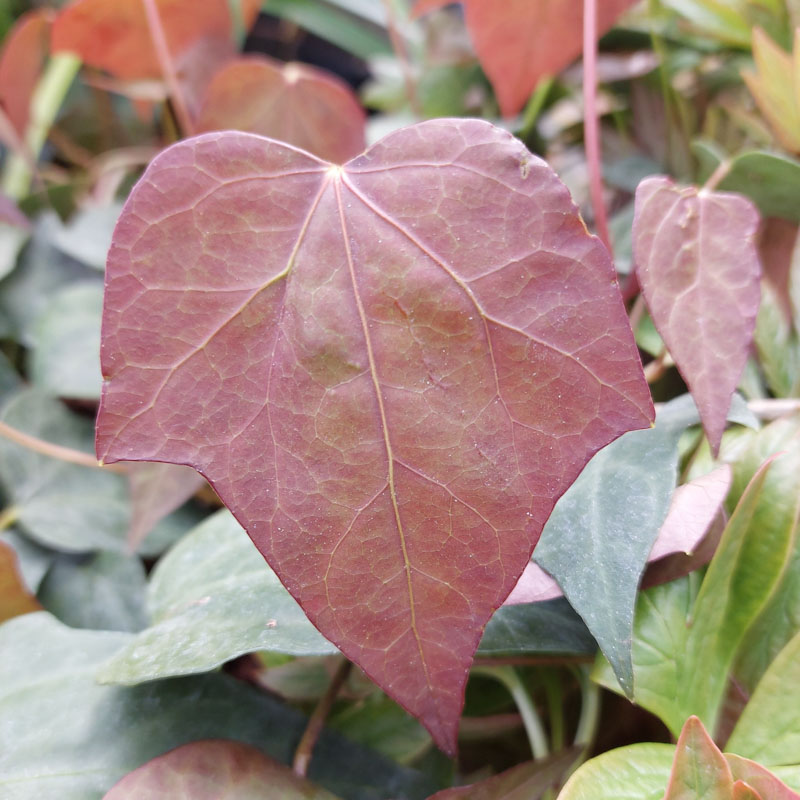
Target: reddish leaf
point(776, 246)
point(699, 771)
point(741, 791)
point(15, 599)
point(113, 34)
point(520, 41)
point(699, 271)
point(157, 490)
point(769, 786)
point(214, 769)
point(388, 371)
point(21, 63)
point(297, 104)
point(527, 781)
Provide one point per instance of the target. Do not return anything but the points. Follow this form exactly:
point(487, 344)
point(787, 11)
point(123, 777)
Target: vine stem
point(591, 122)
point(46, 102)
point(55, 450)
point(509, 677)
point(305, 747)
point(170, 75)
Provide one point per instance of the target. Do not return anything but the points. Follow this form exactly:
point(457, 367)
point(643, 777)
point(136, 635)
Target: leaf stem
point(46, 102)
point(170, 75)
point(55, 450)
point(591, 122)
point(8, 516)
point(305, 748)
point(717, 176)
point(534, 107)
point(509, 677)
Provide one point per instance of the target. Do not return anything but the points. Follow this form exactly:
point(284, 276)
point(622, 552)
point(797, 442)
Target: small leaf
point(519, 42)
point(699, 771)
point(361, 371)
point(598, 539)
point(113, 34)
point(699, 271)
point(215, 769)
point(156, 490)
point(627, 773)
point(768, 785)
point(15, 599)
point(529, 781)
point(295, 103)
point(22, 60)
point(769, 729)
point(212, 598)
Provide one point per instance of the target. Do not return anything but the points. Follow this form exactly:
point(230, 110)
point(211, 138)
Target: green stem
point(555, 708)
point(530, 717)
point(237, 22)
point(534, 107)
point(46, 102)
point(590, 710)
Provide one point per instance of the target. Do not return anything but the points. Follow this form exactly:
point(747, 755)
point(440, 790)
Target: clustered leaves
point(390, 345)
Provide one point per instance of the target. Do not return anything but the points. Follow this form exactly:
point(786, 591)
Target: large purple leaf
point(697, 264)
point(389, 371)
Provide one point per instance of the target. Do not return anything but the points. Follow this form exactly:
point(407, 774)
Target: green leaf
point(637, 772)
point(213, 598)
point(699, 771)
point(215, 769)
point(103, 591)
point(770, 180)
point(599, 536)
point(684, 648)
point(34, 560)
point(551, 627)
point(719, 18)
point(87, 236)
point(777, 513)
point(777, 345)
point(64, 737)
point(769, 729)
point(66, 354)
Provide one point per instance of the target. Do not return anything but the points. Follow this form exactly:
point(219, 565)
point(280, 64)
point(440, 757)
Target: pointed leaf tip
point(389, 371)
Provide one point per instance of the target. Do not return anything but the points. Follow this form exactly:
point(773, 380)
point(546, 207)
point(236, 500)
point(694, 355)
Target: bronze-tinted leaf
point(760, 778)
point(295, 103)
point(389, 371)
point(215, 769)
point(699, 771)
point(699, 271)
point(15, 599)
point(520, 41)
point(21, 62)
point(113, 34)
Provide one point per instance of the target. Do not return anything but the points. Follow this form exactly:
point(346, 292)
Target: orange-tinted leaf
point(215, 769)
point(113, 34)
point(769, 786)
point(699, 771)
point(742, 791)
point(294, 103)
point(389, 372)
point(157, 490)
point(21, 63)
point(520, 41)
point(15, 599)
point(699, 271)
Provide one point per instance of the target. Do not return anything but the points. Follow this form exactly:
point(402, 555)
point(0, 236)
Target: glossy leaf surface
point(113, 34)
point(627, 773)
point(294, 103)
point(388, 371)
point(699, 771)
point(699, 271)
point(519, 41)
point(215, 769)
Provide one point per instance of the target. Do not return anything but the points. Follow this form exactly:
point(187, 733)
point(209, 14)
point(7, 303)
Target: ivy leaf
point(389, 372)
point(518, 42)
point(113, 34)
point(215, 769)
point(699, 271)
point(295, 103)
